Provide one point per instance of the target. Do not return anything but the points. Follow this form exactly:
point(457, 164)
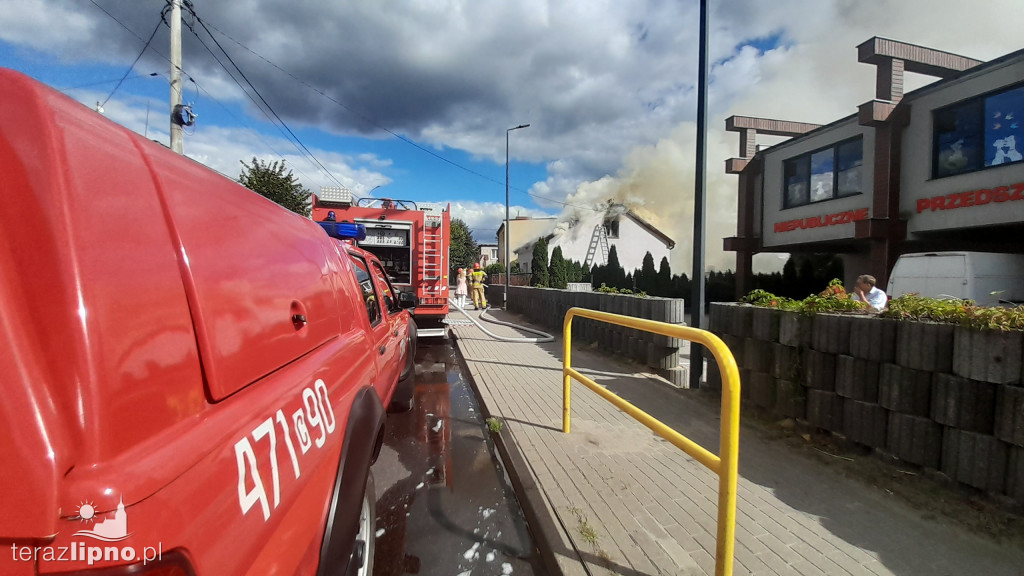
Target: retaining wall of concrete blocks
point(939, 396)
point(547, 307)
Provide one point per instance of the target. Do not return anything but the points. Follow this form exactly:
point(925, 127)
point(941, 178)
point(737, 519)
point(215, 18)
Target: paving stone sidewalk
point(613, 498)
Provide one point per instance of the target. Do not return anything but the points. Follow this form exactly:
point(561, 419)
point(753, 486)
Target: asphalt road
point(444, 503)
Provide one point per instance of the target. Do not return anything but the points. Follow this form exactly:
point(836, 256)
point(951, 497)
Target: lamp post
point(508, 248)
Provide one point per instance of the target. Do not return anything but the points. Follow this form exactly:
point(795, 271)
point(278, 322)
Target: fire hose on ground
point(483, 315)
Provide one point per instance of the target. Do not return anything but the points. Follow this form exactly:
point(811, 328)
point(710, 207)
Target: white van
point(988, 279)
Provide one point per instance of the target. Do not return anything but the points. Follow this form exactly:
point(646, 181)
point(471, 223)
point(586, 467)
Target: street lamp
point(508, 248)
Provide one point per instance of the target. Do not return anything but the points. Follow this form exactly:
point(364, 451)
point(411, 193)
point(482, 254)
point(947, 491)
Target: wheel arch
point(364, 435)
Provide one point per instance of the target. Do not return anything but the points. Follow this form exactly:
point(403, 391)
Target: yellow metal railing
point(726, 463)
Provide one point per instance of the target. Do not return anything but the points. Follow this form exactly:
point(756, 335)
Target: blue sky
point(608, 87)
point(408, 172)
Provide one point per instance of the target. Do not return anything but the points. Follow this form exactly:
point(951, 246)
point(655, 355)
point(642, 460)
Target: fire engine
point(412, 239)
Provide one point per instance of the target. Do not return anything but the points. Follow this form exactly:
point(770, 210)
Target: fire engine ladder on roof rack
point(598, 240)
point(433, 244)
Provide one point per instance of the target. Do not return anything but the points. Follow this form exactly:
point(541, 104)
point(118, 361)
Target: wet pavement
point(444, 502)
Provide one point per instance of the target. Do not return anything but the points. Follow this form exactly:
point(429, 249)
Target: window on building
point(494, 253)
point(797, 172)
point(612, 226)
point(978, 133)
point(849, 158)
point(823, 174)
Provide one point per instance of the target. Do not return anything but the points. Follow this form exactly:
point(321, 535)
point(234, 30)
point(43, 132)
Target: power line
point(260, 96)
point(198, 86)
point(371, 122)
point(101, 82)
point(136, 61)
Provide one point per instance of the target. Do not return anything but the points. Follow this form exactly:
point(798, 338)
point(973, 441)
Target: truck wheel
point(366, 536)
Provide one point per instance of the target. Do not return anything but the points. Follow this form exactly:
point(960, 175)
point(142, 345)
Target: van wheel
point(366, 536)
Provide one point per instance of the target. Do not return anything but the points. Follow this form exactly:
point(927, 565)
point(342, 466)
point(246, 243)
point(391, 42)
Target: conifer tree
point(539, 264)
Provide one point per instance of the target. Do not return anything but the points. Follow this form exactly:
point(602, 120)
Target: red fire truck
point(410, 238)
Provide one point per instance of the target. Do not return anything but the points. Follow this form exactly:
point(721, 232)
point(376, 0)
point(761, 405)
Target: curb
point(540, 517)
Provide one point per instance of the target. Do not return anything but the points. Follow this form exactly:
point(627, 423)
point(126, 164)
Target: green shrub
point(832, 299)
point(907, 307)
point(951, 311)
point(610, 290)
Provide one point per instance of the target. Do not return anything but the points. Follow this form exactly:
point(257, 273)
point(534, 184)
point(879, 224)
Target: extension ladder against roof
point(598, 240)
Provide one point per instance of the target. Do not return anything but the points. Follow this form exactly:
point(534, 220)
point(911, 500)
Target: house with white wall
point(589, 239)
point(488, 254)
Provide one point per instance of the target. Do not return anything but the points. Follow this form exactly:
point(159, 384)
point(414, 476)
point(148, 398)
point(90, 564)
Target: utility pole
point(177, 132)
point(699, 202)
point(508, 232)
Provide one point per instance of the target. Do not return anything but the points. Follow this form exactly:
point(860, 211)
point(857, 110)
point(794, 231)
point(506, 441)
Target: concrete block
point(736, 345)
point(873, 338)
point(655, 309)
point(914, 439)
point(637, 349)
point(766, 324)
point(988, 355)
point(819, 370)
point(757, 355)
point(1009, 424)
point(790, 399)
point(925, 346)
point(675, 310)
point(662, 357)
point(795, 329)
point(762, 390)
point(857, 378)
point(865, 423)
point(963, 403)
point(720, 318)
point(825, 410)
point(713, 376)
point(977, 460)
point(745, 384)
point(785, 361)
point(831, 333)
point(742, 320)
point(678, 376)
point(1015, 474)
point(905, 390)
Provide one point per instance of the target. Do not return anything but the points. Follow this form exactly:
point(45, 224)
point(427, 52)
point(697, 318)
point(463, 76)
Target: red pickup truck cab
point(194, 379)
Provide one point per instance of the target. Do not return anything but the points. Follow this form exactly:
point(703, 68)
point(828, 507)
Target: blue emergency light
point(344, 230)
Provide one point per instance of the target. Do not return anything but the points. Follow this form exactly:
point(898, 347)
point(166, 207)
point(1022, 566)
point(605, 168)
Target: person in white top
point(866, 291)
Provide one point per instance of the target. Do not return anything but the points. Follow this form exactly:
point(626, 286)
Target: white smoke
point(812, 76)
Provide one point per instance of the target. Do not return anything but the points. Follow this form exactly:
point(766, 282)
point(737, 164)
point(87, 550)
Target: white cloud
point(607, 86)
point(484, 218)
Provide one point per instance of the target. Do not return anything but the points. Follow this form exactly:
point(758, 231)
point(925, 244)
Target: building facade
point(936, 169)
point(589, 240)
point(523, 229)
point(488, 254)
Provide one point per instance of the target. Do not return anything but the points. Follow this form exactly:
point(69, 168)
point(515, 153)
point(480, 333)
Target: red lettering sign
point(971, 198)
point(823, 221)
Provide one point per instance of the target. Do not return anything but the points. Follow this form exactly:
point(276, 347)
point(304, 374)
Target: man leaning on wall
point(866, 291)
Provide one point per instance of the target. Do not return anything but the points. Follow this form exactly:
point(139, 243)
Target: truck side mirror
point(407, 300)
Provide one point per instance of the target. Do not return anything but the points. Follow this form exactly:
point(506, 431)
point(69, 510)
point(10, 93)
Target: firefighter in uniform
point(477, 287)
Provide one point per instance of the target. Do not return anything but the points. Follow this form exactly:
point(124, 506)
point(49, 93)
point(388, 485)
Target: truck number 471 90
point(316, 413)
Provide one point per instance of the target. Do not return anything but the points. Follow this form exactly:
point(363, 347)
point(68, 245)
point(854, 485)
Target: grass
point(586, 531)
point(590, 536)
point(494, 425)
